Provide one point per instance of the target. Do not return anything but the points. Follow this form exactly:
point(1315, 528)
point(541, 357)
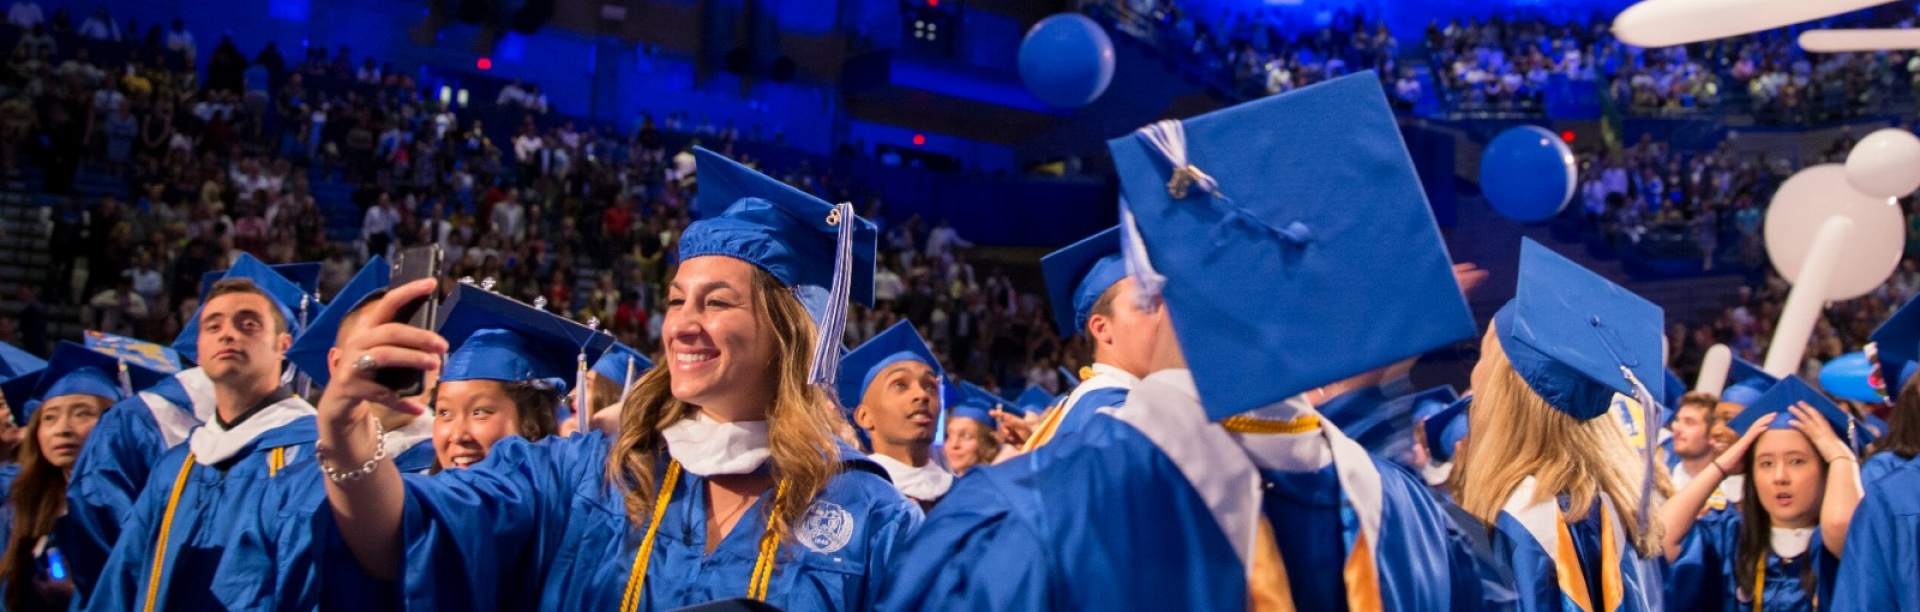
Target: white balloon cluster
point(1885, 164)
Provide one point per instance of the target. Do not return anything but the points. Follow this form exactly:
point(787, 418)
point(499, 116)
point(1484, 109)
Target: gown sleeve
point(480, 538)
point(1880, 564)
point(119, 586)
point(972, 553)
point(107, 478)
point(1697, 578)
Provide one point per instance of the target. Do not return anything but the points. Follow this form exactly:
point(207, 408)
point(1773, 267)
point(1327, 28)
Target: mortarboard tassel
point(826, 347)
point(626, 383)
point(583, 413)
point(126, 379)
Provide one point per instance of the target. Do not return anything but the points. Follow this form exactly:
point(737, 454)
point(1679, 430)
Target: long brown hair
point(800, 420)
point(39, 497)
point(1756, 530)
point(1903, 424)
point(1521, 435)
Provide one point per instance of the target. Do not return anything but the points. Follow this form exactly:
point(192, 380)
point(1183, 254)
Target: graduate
point(1691, 448)
point(1382, 424)
point(509, 367)
point(726, 480)
point(970, 440)
point(1781, 549)
point(59, 406)
point(1882, 560)
point(1088, 288)
point(1218, 487)
point(274, 562)
point(608, 383)
point(1395, 435)
point(1560, 487)
point(1896, 354)
point(126, 445)
point(892, 384)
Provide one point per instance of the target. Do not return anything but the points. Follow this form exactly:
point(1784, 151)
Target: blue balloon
point(1846, 377)
point(1066, 60)
point(1527, 174)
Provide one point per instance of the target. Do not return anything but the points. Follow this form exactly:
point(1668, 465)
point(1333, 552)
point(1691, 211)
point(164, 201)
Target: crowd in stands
point(580, 218)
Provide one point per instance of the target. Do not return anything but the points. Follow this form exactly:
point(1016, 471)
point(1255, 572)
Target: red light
point(933, 3)
point(919, 139)
point(484, 63)
point(1567, 136)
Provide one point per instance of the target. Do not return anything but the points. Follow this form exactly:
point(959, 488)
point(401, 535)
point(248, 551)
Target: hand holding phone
point(408, 266)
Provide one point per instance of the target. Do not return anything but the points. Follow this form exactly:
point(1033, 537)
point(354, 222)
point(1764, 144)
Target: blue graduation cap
point(1034, 399)
point(78, 370)
point(1574, 336)
point(286, 294)
point(822, 251)
point(977, 392)
point(19, 393)
point(14, 361)
point(305, 275)
point(1445, 428)
point(972, 402)
point(1078, 275)
point(619, 361)
point(1746, 382)
point(1388, 428)
point(492, 337)
point(145, 354)
point(1291, 221)
point(1896, 346)
point(309, 350)
point(898, 343)
point(1784, 394)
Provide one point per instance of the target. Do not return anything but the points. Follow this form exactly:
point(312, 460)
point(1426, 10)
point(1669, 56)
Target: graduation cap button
point(833, 217)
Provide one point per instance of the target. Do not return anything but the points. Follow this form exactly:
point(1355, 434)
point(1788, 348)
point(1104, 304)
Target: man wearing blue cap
point(1312, 257)
point(893, 383)
point(244, 426)
point(1088, 287)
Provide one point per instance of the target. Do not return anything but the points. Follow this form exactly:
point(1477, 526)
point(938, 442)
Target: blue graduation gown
point(1703, 578)
point(1882, 560)
point(1106, 521)
point(1880, 464)
point(1106, 389)
point(1359, 414)
point(273, 561)
point(213, 500)
point(539, 526)
point(1537, 580)
point(108, 476)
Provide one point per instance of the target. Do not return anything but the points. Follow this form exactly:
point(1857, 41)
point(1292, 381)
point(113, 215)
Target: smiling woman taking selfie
point(1779, 549)
point(726, 480)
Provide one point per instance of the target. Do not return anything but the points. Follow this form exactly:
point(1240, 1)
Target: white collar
point(1790, 542)
point(405, 438)
point(176, 423)
point(1224, 467)
point(705, 447)
point(925, 483)
point(213, 443)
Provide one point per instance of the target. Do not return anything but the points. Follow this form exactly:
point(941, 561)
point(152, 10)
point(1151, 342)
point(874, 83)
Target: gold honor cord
point(637, 578)
point(166, 527)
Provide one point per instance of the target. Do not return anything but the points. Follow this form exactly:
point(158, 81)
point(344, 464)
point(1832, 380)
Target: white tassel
point(833, 322)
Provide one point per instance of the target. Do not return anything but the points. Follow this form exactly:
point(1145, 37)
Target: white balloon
point(1885, 164)
point(1805, 201)
point(1664, 23)
point(1876, 39)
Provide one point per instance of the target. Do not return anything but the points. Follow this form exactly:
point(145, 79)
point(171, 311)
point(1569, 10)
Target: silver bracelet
point(379, 453)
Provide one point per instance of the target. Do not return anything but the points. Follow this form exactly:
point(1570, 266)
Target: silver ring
point(365, 363)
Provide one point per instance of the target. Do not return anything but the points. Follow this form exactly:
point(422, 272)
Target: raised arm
point(367, 503)
point(1679, 512)
point(1843, 477)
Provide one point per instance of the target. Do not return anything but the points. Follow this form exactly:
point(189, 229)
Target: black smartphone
point(408, 266)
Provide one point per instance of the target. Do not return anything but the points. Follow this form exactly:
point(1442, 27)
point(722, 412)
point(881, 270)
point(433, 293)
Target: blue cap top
point(1896, 345)
point(1389, 429)
point(492, 337)
point(1746, 382)
point(145, 354)
point(14, 362)
point(284, 292)
point(78, 370)
point(1777, 400)
point(615, 363)
point(305, 275)
point(898, 343)
point(1034, 399)
point(309, 350)
point(1568, 333)
point(972, 402)
point(1445, 428)
point(19, 393)
point(1078, 275)
point(1291, 221)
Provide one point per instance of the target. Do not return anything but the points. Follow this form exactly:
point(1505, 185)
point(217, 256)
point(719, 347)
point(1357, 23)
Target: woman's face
point(469, 417)
point(1789, 476)
point(720, 355)
point(963, 443)
point(64, 423)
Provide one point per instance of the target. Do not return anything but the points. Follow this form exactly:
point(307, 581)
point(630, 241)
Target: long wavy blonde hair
point(800, 420)
point(1513, 433)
